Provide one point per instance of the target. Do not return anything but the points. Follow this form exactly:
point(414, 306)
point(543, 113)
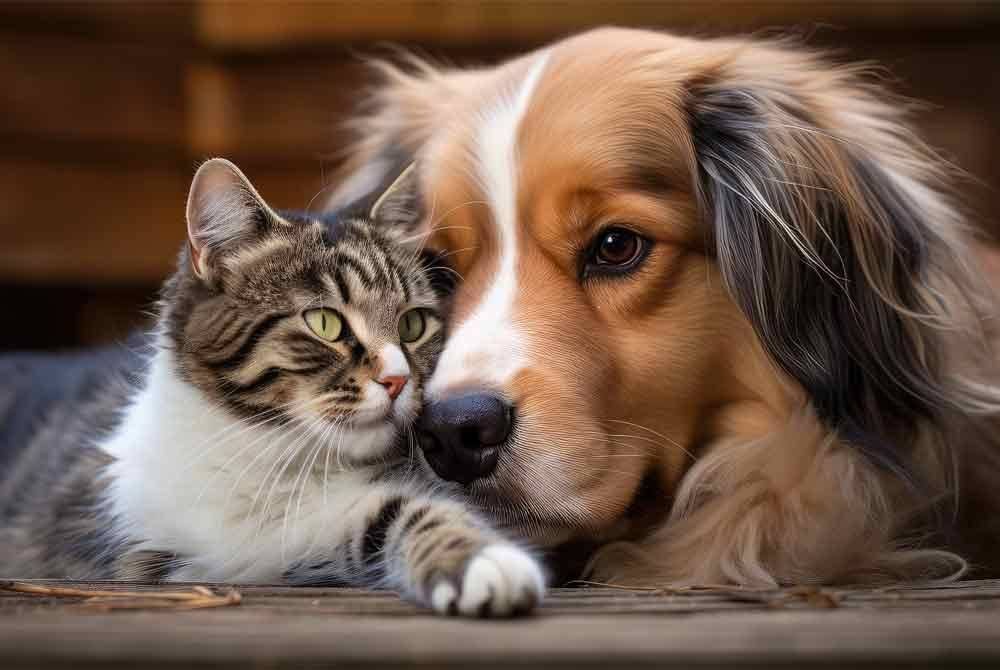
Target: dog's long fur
point(798, 385)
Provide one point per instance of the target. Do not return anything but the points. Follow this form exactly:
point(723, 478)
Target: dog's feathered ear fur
point(831, 237)
point(395, 122)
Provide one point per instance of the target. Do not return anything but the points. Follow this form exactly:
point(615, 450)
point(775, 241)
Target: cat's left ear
point(398, 209)
point(224, 212)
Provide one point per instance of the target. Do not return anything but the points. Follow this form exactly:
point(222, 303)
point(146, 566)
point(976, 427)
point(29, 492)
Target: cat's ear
point(224, 211)
point(398, 208)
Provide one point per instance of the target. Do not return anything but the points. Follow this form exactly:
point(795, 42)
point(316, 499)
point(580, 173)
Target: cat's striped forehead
point(346, 260)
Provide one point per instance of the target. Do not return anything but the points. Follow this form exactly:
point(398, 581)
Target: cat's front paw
point(500, 580)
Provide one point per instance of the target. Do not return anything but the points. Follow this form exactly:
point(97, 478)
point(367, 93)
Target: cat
point(265, 439)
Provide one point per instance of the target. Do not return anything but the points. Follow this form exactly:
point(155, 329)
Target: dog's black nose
point(461, 435)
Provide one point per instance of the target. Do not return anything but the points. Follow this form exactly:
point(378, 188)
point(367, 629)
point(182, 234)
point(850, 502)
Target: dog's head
point(662, 244)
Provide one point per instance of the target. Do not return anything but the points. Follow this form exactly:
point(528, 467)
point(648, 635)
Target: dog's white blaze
point(488, 348)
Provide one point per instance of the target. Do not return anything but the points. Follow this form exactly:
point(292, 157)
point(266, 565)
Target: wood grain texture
point(106, 223)
point(282, 112)
point(947, 627)
point(244, 26)
point(145, 21)
point(72, 89)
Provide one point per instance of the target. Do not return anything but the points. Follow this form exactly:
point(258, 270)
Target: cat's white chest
point(237, 500)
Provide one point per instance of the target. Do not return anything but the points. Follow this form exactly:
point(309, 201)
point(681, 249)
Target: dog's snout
point(461, 435)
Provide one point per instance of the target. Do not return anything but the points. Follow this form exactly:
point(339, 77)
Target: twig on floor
point(199, 597)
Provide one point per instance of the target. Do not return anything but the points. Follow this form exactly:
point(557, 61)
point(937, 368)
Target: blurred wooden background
point(106, 109)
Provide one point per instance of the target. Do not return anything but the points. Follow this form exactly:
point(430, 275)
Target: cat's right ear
point(397, 210)
point(224, 211)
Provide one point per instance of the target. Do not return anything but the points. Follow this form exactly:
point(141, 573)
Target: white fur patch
point(237, 499)
point(443, 597)
point(393, 362)
point(503, 579)
point(488, 348)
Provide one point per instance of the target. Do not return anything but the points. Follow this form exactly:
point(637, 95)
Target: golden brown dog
point(715, 313)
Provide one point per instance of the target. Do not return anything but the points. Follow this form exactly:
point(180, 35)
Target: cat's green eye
point(412, 325)
point(326, 323)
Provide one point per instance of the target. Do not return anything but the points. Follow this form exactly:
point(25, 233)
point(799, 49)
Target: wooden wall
point(106, 109)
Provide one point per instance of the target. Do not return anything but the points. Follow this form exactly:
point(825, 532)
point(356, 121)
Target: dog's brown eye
point(618, 247)
point(615, 250)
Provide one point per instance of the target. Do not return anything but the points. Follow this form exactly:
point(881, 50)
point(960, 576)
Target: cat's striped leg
point(432, 550)
point(455, 563)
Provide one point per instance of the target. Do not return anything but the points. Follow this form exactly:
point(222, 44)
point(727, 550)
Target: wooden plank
point(273, 25)
point(69, 89)
point(593, 627)
point(285, 110)
point(296, 185)
point(139, 20)
point(93, 222)
point(108, 223)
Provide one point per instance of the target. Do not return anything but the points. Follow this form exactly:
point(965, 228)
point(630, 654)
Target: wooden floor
point(955, 626)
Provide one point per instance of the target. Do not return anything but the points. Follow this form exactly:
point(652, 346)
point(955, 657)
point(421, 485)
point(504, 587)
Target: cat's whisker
point(305, 474)
point(323, 441)
point(326, 463)
point(298, 484)
point(294, 438)
point(261, 454)
point(434, 228)
point(248, 540)
point(266, 433)
point(218, 471)
point(445, 268)
point(241, 425)
point(235, 555)
point(411, 448)
point(317, 431)
point(321, 191)
point(293, 451)
point(266, 427)
point(340, 439)
point(457, 251)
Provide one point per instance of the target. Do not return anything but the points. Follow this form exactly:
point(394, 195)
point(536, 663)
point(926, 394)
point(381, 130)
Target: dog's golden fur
point(796, 386)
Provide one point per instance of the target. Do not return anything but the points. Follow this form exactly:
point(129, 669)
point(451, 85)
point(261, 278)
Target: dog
point(716, 318)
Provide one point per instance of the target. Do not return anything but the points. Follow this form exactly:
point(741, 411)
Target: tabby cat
point(265, 438)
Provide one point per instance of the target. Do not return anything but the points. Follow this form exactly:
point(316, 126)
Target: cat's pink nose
point(394, 384)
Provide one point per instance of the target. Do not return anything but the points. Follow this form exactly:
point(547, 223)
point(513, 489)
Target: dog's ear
point(828, 232)
point(409, 102)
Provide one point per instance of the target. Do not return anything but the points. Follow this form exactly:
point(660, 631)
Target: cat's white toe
point(500, 580)
point(443, 598)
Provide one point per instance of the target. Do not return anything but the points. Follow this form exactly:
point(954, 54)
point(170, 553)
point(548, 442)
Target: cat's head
point(327, 325)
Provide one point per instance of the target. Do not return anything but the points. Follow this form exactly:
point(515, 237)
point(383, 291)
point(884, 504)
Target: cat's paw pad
point(500, 580)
